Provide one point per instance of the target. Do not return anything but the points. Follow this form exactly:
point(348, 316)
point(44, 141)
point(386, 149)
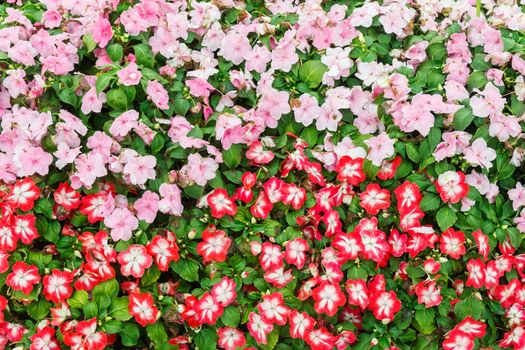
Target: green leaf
point(188, 269)
point(206, 339)
point(157, 333)
point(144, 55)
point(445, 218)
point(44, 206)
point(115, 52)
point(231, 316)
point(425, 321)
point(272, 338)
point(52, 232)
point(232, 156)
point(181, 106)
point(39, 310)
point(463, 118)
point(150, 276)
point(430, 201)
point(470, 306)
point(477, 80)
point(112, 327)
point(89, 43)
point(103, 81)
point(412, 152)
point(311, 72)
point(109, 288)
point(78, 299)
point(117, 99)
point(157, 144)
point(309, 134)
point(130, 335)
point(90, 309)
point(68, 95)
point(119, 309)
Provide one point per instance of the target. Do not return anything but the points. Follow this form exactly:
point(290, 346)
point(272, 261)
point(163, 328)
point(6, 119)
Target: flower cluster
point(272, 174)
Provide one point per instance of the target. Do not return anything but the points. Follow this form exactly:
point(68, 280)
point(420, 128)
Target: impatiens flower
point(124, 123)
point(482, 241)
point(57, 286)
point(258, 155)
point(147, 206)
point(451, 186)
point(140, 169)
point(92, 102)
point(230, 338)
point(122, 223)
point(428, 293)
point(24, 228)
point(163, 252)
point(158, 94)
point(452, 243)
point(296, 252)
point(171, 199)
point(23, 278)
point(357, 293)
point(294, 196)
point(91, 338)
point(67, 197)
point(379, 148)
point(480, 154)
point(472, 327)
point(272, 309)
point(300, 324)
point(44, 339)
point(476, 273)
point(214, 245)
point(271, 256)
point(200, 169)
point(350, 170)
point(374, 199)
point(224, 291)
point(102, 32)
point(384, 305)
point(259, 328)
point(320, 339)
point(262, 206)
point(23, 194)
point(221, 204)
point(130, 75)
point(207, 309)
point(328, 298)
point(134, 261)
point(142, 307)
point(457, 340)
point(487, 102)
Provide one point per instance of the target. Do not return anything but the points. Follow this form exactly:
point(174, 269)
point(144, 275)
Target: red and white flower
point(273, 310)
point(44, 339)
point(472, 327)
point(384, 305)
point(300, 324)
point(451, 186)
point(57, 286)
point(271, 256)
point(24, 228)
point(259, 328)
point(350, 170)
point(476, 273)
point(451, 243)
point(428, 293)
point(23, 194)
point(214, 245)
point(262, 206)
point(320, 339)
point(208, 310)
point(357, 293)
point(407, 196)
point(294, 196)
point(221, 204)
point(23, 278)
point(374, 199)
point(142, 307)
point(134, 261)
point(296, 252)
point(482, 241)
point(230, 338)
point(91, 338)
point(224, 292)
point(457, 340)
point(328, 298)
point(163, 252)
point(257, 154)
point(67, 197)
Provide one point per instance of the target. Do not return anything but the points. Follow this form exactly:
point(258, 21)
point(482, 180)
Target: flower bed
point(262, 175)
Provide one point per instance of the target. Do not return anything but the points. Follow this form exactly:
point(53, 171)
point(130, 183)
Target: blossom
point(124, 123)
point(134, 261)
point(221, 204)
point(140, 169)
point(374, 199)
point(93, 102)
point(23, 194)
point(451, 186)
point(452, 243)
point(122, 223)
point(129, 75)
point(23, 278)
point(102, 32)
point(158, 94)
point(57, 286)
point(328, 298)
point(142, 308)
point(147, 206)
point(428, 294)
point(385, 305)
point(478, 153)
point(214, 246)
point(200, 169)
point(380, 148)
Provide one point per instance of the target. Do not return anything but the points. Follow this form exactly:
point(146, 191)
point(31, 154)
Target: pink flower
point(147, 206)
point(34, 160)
point(517, 196)
point(91, 102)
point(88, 168)
point(200, 169)
point(140, 169)
point(284, 55)
point(520, 221)
point(480, 154)
point(130, 75)
point(15, 83)
point(453, 144)
point(338, 62)
point(51, 19)
point(379, 148)
point(504, 127)
point(102, 32)
point(306, 109)
point(124, 123)
point(158, 94)
point(199, 87)
point(171, 200)
point(234, 47)
point(22, 52)
point(275, 104)
point(122, 223)
point(487, 102)
point(258, 58)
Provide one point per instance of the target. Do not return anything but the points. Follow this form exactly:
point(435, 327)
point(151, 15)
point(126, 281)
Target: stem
point(478, 8)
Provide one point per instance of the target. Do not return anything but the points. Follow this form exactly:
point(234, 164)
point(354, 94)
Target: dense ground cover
point(262, 175)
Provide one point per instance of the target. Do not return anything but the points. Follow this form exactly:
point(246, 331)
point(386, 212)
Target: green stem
point(478, 8)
